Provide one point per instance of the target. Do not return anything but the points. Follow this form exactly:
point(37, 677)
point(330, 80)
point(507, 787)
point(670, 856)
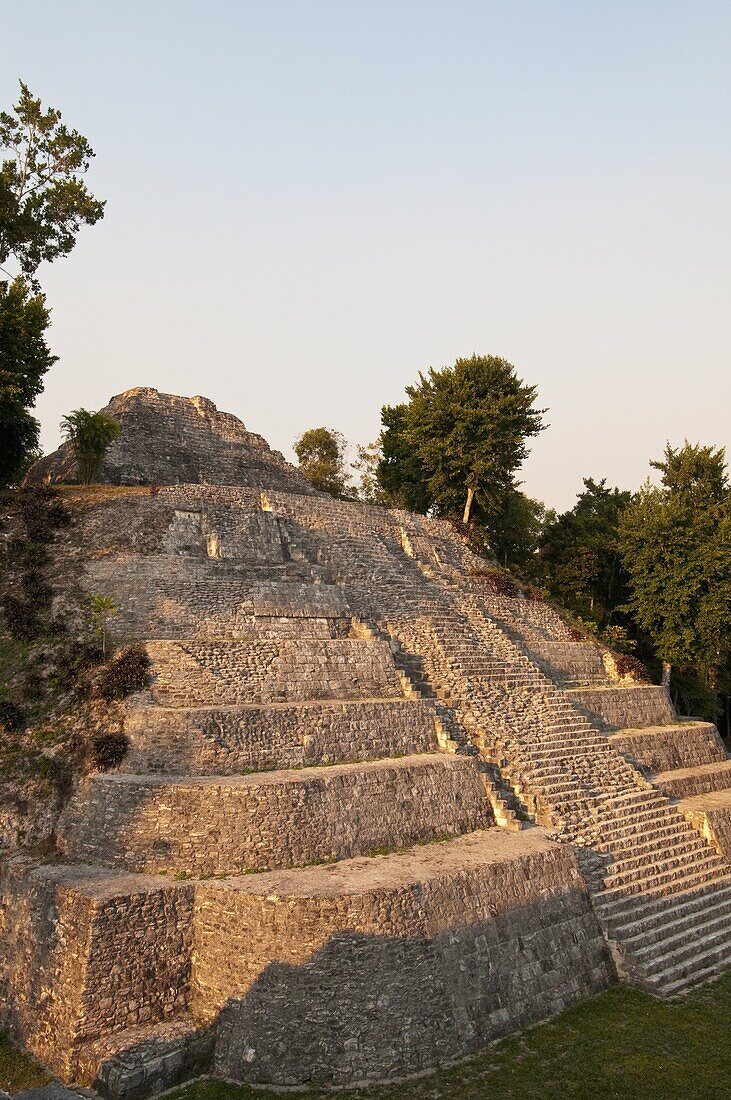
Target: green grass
point(18, 1071)
point(621, 1045)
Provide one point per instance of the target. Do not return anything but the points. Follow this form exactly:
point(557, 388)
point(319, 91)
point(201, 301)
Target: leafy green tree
point(321, 455)
point(676, 548)
point(369, 489)
point(514, 531)
point(90, 434)
point(459, 439)
point(43, 198)
point(579, 558)
point(102, 609)
point(24, 360)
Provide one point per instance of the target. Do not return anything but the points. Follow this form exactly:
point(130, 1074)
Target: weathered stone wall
point(97, 952)
point(624, 707)
point(167, 439)
point(686, 782)
point(711, 815)
point(229, 740)
point(370, 969)
point(187, 598)
point(660, 749)
point(271, 819)
point(230, 672)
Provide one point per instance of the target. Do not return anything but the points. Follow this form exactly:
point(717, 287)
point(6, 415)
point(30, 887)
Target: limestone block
point(271, 819)
point(235, 739)
point(383, 967)
point(624, 707)
point(663, 748)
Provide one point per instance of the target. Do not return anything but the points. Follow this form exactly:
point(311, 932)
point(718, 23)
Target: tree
point(676, 548)
point(24, 360)
point(514, 531)
point(368, 459)
point(90, 434)
point(579, 559)
point(321, 455)
point(459, 439)
point(43, 199)
point(102, 609)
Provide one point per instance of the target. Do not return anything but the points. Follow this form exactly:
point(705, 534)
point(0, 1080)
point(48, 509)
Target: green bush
point(12, 717)
point(109, 750)
point(127, 673)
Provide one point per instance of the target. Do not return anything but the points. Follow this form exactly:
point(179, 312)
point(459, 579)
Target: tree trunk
point(468, 506)
point(665, 682)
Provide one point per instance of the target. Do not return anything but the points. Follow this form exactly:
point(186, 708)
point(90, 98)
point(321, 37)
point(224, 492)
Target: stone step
point(663, 748)
point(711, 930)
point(235, 824)
point(656, 863)
point(700, 779)
point(701, 871)
point(256, 737)
point(705, 961)
point(679, 914)
point(193, 673)
point(672, 987)
point(684, 841)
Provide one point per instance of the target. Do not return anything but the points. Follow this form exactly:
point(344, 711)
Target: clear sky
point(309, 201)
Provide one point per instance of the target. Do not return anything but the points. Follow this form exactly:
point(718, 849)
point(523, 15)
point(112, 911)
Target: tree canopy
point(24, 360)
point(579, 558)
point(676, 548)
point(459, 439)
point(43, 198)
point(321, 455)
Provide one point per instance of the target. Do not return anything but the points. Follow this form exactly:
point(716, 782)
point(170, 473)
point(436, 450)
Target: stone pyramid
point(373, 813)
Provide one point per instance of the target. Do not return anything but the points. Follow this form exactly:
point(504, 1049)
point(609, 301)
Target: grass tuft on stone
point(18, 1071)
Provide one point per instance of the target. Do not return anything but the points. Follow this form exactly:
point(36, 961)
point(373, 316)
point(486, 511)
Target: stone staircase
point(548, 742)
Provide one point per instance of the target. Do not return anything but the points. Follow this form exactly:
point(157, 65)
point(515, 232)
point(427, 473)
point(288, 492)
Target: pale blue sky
point(309, 202)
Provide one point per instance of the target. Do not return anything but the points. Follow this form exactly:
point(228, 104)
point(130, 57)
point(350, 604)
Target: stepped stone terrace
point(372, 815)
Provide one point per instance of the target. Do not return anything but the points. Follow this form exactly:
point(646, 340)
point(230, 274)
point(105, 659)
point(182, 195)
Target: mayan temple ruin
point(372, 815)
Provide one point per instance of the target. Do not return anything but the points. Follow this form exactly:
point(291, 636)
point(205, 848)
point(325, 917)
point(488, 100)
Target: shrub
point(21, 619)
point(11, 716)
point(632, 667)
point(500, 583)
point(127, 673)
point(109, 750)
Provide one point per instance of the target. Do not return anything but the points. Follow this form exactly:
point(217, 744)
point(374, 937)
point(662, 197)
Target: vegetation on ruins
point(454, 447)
point(43, 204)
point(90, 435)
point(103, 608)
point(127, 673)
point(321, 456)
point(24, 359)
point(676, 548)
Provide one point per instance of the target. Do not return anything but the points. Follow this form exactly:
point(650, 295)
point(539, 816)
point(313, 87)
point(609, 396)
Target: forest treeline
point(648, 573)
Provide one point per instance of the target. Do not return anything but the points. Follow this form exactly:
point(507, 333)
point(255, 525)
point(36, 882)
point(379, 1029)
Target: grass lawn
point(17, 1070)
point(620, 1045)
